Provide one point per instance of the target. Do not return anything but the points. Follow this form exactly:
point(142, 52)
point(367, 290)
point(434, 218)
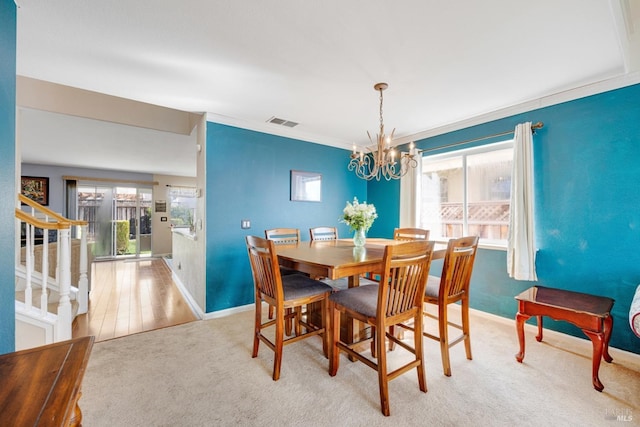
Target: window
point(183, 206)
point(467, 192)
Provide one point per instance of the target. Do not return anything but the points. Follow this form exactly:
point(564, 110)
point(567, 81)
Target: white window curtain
point(410, 194)
point(521, 250)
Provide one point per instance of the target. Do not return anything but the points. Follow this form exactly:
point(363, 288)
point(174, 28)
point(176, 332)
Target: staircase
point(52, 283)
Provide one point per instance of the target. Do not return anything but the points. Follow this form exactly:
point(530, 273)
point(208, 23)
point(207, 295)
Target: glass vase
point(359, 253)
point(359, 238)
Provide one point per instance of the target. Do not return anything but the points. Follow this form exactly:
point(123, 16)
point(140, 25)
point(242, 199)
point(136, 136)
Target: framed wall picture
point(306, 186)
point(161, 205)
point(36, 188)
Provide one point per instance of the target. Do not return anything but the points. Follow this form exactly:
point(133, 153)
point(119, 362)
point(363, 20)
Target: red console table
point(590, 313)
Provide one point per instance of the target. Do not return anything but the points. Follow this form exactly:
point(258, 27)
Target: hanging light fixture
point(381, 161)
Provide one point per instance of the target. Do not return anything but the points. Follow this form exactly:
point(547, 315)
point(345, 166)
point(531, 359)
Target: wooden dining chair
point(327, 234)
point(452, 286)
point(403, 234)
point(410, 234)
point(283, 236)
point(285, 294)
point(323, 233)
point(397, 298)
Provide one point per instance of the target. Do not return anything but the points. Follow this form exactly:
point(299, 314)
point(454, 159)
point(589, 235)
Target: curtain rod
point(189, 187)
point(534, 126)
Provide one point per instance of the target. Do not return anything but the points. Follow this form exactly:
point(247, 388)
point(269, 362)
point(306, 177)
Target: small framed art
point(306, 186)
point(36, 188)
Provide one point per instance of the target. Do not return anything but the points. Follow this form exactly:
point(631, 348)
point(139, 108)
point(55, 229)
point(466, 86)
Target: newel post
point(63, 331)
point(83, 284)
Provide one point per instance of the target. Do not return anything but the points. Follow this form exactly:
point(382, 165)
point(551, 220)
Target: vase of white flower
point(359, 217)
point(359, 238)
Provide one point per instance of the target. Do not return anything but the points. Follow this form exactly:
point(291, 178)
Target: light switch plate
point(245, 224)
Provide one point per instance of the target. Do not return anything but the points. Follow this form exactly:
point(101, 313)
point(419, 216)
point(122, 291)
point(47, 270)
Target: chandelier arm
point(362, 165)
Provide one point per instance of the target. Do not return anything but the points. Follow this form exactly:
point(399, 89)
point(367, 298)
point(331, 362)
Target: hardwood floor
point(131, 296)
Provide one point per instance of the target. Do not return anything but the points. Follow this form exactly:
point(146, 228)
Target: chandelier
point(381, 161)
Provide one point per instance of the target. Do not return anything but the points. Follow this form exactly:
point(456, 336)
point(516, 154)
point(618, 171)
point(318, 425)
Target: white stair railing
point(42, 218)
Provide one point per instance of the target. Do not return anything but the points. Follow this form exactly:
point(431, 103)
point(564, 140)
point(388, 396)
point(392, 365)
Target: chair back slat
point(264, 267)
point(410, 234)
point(458, 266)
point(404, 277)
point(323, 233)
point(283, 236)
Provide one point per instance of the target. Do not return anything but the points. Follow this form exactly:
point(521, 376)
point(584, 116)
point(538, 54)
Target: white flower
point(359, 216)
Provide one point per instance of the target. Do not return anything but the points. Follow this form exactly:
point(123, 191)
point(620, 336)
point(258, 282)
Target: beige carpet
point(202, 374)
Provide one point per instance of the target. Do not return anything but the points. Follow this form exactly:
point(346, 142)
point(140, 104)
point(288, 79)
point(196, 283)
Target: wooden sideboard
point(41, 386)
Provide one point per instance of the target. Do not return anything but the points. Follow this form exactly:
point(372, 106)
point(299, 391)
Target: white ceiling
point(311, 62)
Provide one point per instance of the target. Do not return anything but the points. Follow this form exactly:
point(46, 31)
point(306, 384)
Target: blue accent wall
point(7, 173)
point(248, 177)
point(379, 193)
point(587, 176)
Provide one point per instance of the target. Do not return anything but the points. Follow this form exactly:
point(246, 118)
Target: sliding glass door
point(142, 235)
point(119, 219)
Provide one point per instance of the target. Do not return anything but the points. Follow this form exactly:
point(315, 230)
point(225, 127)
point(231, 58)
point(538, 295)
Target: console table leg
point(608, 327)
point(520, 319)
point(598, 344)
point(539, 336)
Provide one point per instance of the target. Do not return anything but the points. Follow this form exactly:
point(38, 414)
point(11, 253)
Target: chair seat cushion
point(363, 299)
point(297, 286)
point(433, 287)
point(343, 283)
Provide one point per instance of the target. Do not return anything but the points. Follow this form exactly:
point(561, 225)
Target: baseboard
point(229, 311)
point(195, 308)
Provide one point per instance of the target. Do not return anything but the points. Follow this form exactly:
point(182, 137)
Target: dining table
point(340, 258)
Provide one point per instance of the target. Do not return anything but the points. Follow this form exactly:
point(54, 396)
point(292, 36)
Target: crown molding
point(534, 104)
point(545, 101)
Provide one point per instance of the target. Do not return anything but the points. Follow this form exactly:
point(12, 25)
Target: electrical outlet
point(245, 224)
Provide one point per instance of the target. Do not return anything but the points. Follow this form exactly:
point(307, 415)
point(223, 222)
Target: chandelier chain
point(381, 119)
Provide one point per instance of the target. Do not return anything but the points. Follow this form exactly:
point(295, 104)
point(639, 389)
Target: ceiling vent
point(282, 122)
